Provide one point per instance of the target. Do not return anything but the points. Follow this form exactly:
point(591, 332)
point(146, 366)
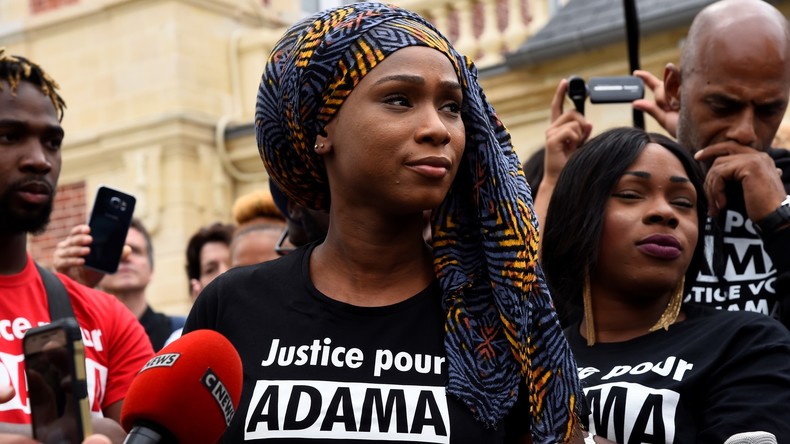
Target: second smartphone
point(109, 221)
point(57, 387)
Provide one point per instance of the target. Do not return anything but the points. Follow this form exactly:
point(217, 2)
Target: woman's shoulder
point(270, 277)
point(738, 325)
point(736, 317)
point(283, 267)
point(250, 290)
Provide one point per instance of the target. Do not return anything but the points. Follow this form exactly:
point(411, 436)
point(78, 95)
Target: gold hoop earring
point(318, 146)
point(672, 311)
point(588, 312)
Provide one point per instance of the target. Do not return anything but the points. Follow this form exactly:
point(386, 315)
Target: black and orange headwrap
point(501, 326)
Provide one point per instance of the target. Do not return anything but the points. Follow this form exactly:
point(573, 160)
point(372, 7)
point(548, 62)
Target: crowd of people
point(421, 284)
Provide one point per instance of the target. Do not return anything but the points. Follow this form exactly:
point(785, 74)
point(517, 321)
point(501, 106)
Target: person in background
point(208, 255)
point(30, 160)
point(725, 102)
point(624, 238)
point(128, 284)
point(369, 107)
point(259, 227)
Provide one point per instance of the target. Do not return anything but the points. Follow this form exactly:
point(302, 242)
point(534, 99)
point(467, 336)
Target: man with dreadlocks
point(116, 346)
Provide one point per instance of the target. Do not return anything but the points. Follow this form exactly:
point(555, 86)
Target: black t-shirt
point(319, 370)
point(708, 377)
point(159, 326)
point(756, 272)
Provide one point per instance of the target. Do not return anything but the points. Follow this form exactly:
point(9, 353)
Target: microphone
point(187, 393)
point(752, 438)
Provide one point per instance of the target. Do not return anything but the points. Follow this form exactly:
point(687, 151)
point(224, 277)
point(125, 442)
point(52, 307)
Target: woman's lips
point(660, 246)
point(431, 167)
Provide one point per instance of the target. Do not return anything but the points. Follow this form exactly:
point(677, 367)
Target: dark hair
point(15, 69)
point(533, 169)
point(574, 220)
point(137, 224)
point(216, 232)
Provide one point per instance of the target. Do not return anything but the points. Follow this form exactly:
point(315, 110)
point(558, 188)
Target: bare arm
point(567, 131)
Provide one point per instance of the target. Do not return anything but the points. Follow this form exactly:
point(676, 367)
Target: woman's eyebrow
point(418, 80)
point(646, 175)
point(408, 78)
point(640, 174)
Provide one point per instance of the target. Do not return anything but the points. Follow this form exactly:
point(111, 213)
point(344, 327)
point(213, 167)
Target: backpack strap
point(58, 298)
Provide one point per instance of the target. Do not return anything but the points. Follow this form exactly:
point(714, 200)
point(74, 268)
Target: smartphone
point(56, 383)
point(109, 221)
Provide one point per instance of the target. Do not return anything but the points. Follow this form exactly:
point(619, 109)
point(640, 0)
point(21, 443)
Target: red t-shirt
point(116, 346)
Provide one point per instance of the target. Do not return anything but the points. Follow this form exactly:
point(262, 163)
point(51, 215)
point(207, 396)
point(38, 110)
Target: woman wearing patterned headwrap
point(372, 334)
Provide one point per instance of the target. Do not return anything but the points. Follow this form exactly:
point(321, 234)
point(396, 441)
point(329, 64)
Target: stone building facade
point(161, 93)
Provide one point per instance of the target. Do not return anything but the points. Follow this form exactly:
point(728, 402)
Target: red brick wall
point(39, 6)
point(69, 210)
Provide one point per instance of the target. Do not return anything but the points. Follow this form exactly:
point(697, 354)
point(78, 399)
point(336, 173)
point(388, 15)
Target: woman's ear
point(194, 289)
point(323, 141)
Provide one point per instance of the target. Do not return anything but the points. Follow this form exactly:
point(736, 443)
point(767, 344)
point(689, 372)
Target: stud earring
point(318, 146)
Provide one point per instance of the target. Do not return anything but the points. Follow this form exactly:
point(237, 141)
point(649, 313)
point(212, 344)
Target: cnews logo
point(166, 360)
point(211, 381)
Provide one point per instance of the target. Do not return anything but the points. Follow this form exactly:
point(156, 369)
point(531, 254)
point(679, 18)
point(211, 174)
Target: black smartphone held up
point(56, 383)
point(109, 222)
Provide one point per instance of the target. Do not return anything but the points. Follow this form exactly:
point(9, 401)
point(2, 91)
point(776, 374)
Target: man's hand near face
point(763, 189)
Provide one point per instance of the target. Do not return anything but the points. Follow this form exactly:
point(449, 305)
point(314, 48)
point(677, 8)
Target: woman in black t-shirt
point(368, 113)
point(623, 231)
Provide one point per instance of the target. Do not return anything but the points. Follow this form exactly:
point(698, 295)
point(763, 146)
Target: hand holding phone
point(69, 257)
point(109, 223)
point(621, 89)
point(57, 388)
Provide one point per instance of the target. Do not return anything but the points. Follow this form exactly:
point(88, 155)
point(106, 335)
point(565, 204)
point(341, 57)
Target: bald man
point(730, 93)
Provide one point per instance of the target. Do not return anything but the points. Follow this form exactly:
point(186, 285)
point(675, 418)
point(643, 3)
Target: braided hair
point(15, 69)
